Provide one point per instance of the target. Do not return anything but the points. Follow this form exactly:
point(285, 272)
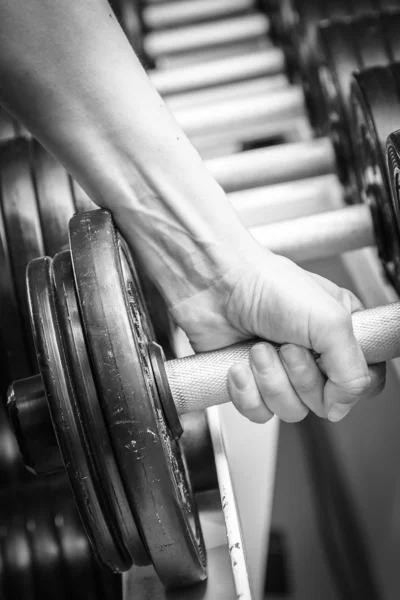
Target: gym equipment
point(375, 114)
point(93, 335)
point(179, 13)
point(233, 30)
point(347, 46)
point(294, 24)
point(393, 162)
point(44, 552)
point(344, 46)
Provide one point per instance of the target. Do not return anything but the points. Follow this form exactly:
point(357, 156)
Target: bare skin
point(68, 73)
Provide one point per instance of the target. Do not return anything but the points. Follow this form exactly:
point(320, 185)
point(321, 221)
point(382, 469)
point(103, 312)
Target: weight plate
point(46, 556)
point(13, 355)
point(18, 560)
point(346, 46)
point(105, 476)
point(65, 413)
point(54, 195)
point(109, 585)
point(3, 590)
point(302, 18)
point(150, 461)
point(21, 222)
point(375, 105)
point(11, 466)
point(393, 160)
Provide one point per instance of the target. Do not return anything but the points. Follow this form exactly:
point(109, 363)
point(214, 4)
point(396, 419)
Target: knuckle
point(306, 384)
point(340, 319)
point(358, 387)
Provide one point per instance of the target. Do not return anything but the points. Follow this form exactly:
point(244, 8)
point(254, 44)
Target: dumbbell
point(44, 552)
point(108, 386)
point(295, 22)
point(375, 104)
point(393, 162)
point(153, 45)
point(38, 197)
point(223, 169)
point(37, 200)
point(343, 45)
point(180, 13)
point(375, 100)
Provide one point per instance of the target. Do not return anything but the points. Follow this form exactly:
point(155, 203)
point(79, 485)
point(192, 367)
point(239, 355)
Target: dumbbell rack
point(227, 560)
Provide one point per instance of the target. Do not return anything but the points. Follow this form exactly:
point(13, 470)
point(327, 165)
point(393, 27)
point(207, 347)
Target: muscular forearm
point(70, 76)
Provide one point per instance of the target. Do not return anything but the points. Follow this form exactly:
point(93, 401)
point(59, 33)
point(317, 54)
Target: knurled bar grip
point(199, 381)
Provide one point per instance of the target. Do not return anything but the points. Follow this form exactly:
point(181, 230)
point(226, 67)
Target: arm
point(70, 76)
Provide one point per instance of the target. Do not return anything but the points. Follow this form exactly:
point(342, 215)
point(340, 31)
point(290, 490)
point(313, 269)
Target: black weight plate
point(109, 585)
point(15, 362)
point(375, 105)
point(150, 461)
point(3, 590)
point(64, 412)
point(11, 466)
point(346, 46)
point(21, 222)
point(305, 16)
point(77, 558)
point(55, 200)
point(393, 161)
point(106, 475)
point(46, 556)
point(18, 560)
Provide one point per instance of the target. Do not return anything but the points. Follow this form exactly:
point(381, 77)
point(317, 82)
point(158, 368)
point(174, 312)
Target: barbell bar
point(188, 12)
point(233, 30)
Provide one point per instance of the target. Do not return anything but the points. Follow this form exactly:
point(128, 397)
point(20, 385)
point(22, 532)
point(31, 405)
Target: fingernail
point(292, 355)
point(337, 412)
point(262, 354)
point(240, 376)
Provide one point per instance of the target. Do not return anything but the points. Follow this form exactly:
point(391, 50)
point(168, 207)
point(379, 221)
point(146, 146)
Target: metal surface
point(206, 35)
point(292, 200)
point(269, 61)
point(376, 113)
point(225, 116)
point(371, 284)
point(212, 54)
point(225, 92)
point(181, 13)
point(277, 164)
point(286, 130)
point(319, 236)
point(199, 381)
point(228, 576)
point(150, 461)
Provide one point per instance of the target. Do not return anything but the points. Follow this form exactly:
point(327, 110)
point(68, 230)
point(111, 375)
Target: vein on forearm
point(71, 77)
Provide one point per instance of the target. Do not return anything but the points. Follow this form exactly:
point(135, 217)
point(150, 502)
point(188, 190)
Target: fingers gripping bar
point(199, 381)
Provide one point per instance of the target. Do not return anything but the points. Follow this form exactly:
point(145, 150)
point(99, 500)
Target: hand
point(270, 297)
